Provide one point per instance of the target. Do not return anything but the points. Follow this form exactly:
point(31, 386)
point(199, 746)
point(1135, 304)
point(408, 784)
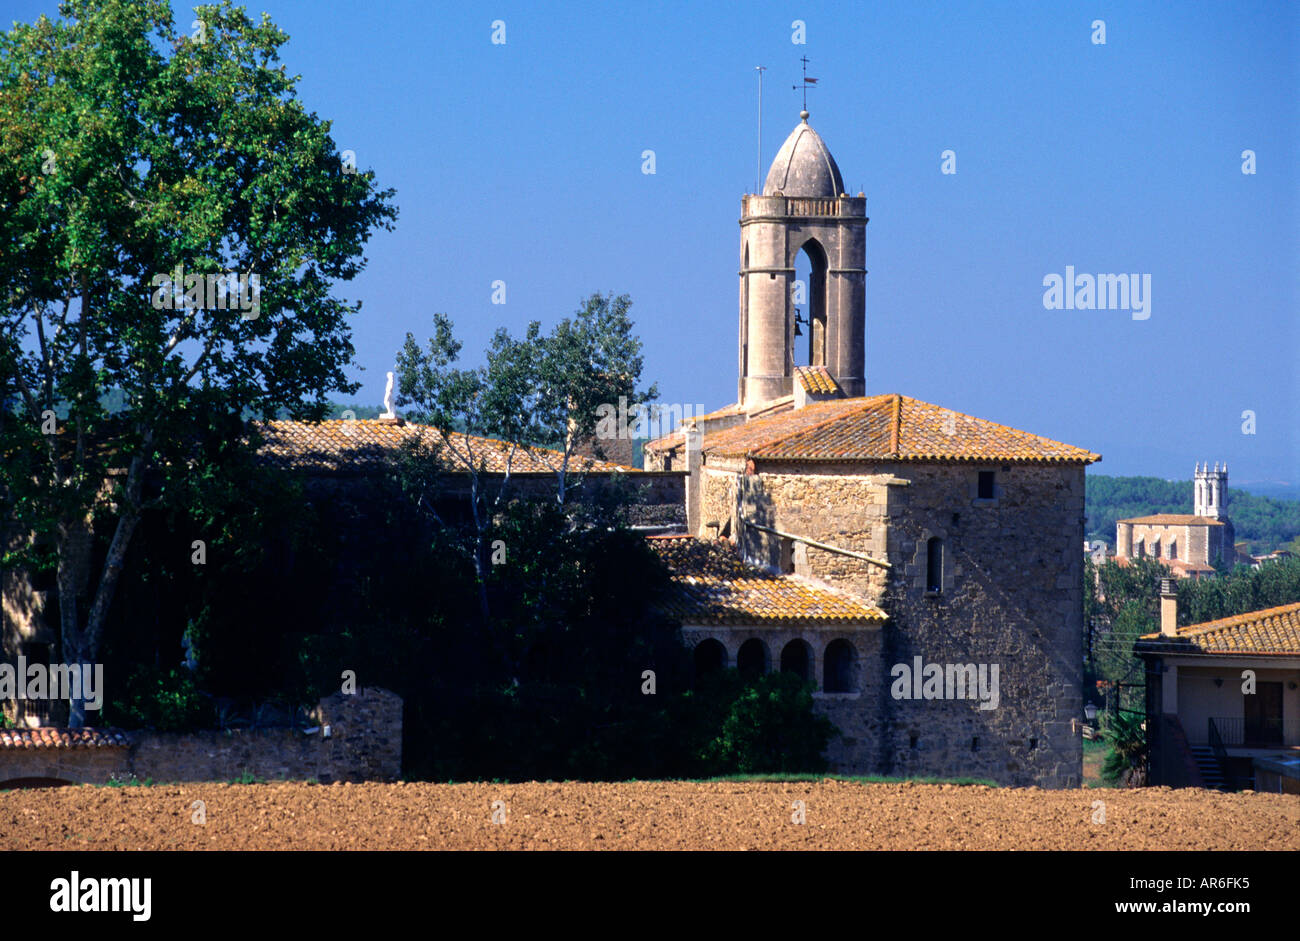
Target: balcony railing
point(803, 206)
point(1256, 733)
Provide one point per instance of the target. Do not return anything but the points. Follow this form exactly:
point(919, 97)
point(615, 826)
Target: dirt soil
point(643, 815)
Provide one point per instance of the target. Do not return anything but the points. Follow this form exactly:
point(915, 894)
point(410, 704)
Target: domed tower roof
point(804, 166)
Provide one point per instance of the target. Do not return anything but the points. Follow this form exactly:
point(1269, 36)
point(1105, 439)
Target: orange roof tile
point(886, 427)
point(63, 738)
point(1177, 565)
point(366, 444)
point(1272, 631)
point(713, 585)
point(1173, 519)
point(816, 379)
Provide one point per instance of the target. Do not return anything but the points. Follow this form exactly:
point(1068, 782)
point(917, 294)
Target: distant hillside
point(1262, 522)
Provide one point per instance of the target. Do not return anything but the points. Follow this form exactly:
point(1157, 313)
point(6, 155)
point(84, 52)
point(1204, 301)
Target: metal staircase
point(1208, 765)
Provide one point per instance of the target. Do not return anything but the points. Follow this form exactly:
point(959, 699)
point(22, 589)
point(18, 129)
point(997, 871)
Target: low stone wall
point(364, 744)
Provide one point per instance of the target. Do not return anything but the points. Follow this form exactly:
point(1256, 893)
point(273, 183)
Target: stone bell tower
point(803, 209)
point(1211, 491)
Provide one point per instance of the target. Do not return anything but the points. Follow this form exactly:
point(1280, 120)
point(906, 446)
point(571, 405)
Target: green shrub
point(770, 726)
point(1128, 746)
point(168, 701)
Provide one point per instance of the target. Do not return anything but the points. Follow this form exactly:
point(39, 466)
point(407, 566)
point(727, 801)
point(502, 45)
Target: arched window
point(934, 564)
point(811, 267)
point(710, 657)
point(751, 659)
point(796, 658)
point(837, 667)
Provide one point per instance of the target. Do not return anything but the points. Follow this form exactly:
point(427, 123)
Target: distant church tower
point(1211, 491)
point(803, 208)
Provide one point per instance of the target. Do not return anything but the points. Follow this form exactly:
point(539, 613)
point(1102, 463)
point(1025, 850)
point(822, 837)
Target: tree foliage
point(1127, 755)
point(131, 151)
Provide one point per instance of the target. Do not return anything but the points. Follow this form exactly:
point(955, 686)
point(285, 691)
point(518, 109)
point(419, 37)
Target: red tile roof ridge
point(58, 737)
point(896, 425)
point(1236, 620)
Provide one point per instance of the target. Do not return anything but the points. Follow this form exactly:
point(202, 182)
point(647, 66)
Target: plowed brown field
point(643, 815)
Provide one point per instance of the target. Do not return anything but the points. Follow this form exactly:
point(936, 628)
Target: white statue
point(388, 399)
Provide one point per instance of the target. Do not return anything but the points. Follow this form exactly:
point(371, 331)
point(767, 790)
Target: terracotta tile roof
point(1272, 631)
point(675, 439)
point(713, 585)
point(1183, 566)
point(368, 444)
point(1177, 565)
point(63, 738)
point(886, 427)
point(1173, 519)
point(816, 379)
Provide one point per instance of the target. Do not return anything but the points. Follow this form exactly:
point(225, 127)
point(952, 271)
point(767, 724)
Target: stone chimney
point(694, 474)
point(1168, 608)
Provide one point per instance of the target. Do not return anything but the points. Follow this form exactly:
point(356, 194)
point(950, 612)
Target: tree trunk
point(81, 647)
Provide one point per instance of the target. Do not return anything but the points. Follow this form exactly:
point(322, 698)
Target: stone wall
point(837, 506)
point(364, 744)
point(1011, 595)
point(77, 765)
point(657, 497)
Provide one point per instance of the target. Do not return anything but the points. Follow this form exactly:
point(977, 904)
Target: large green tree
point(540, 392)
point(143, 167)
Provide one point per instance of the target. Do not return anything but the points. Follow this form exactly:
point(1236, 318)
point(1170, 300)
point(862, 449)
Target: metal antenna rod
point(760, 69)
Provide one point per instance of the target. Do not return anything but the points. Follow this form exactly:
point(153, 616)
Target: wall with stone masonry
point(365, 744)
point(1012, 595)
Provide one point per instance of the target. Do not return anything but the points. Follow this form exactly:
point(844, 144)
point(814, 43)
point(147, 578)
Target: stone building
point(961, 533)
point(1188, 544)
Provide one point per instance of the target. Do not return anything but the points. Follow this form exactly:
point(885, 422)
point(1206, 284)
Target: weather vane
point(806, 82)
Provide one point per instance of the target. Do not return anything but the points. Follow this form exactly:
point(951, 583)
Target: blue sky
point(521, 162)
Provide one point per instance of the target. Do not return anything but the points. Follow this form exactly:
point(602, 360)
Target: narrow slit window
point(934, 564)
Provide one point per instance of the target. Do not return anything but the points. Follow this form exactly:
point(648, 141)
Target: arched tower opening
point(808, 327)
